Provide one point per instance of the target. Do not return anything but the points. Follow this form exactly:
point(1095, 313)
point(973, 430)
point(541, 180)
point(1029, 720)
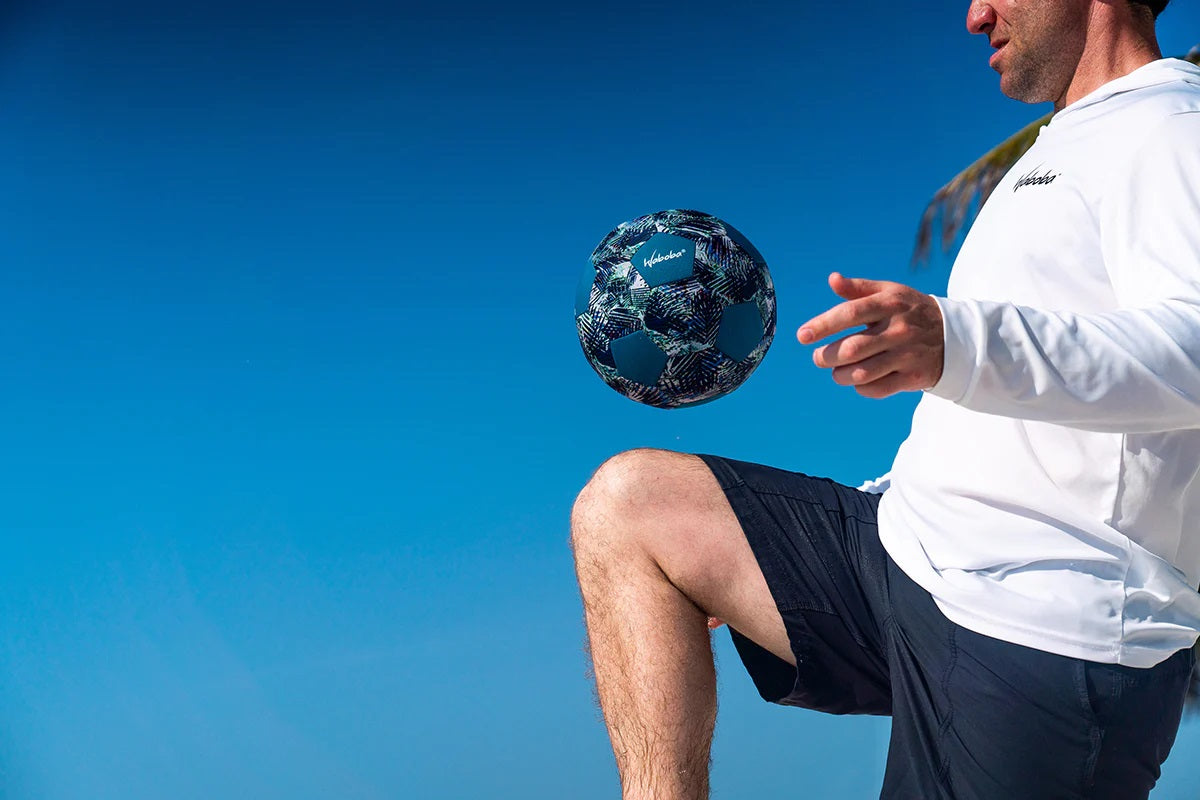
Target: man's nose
point(981, 17)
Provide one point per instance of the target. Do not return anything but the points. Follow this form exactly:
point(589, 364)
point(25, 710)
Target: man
point(1019, 594)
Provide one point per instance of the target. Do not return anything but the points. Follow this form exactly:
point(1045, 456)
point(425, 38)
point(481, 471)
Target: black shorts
point(972, 716)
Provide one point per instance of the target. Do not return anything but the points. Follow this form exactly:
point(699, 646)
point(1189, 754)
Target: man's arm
point(1134, 369)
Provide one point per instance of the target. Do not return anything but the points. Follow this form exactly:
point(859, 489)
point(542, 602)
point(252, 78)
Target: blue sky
point(292, 400)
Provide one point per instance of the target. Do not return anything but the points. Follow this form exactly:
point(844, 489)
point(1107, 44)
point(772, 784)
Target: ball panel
point(664, 258)
point(691, 377)
point(741, 241)
point(735, 277)
point(638, 359)
point(741, 330)
point(583, 289)
point(593, 341)
point(682, 317)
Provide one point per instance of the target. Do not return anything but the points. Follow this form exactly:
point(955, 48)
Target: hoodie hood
point(1156, 73)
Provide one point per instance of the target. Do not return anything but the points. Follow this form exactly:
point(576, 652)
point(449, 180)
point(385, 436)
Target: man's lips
point(999, 49)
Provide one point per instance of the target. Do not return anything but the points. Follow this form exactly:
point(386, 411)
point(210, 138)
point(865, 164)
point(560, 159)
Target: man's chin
point(1014, 89)
point(1006, 84)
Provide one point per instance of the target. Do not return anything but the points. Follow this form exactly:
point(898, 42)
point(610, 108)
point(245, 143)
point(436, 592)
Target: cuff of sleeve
point(879, 485)
point(959, 323)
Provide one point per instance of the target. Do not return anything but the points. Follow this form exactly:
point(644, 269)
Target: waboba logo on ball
point(676, 309)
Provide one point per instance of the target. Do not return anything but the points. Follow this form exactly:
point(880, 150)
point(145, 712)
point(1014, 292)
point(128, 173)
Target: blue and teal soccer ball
point(677, 308)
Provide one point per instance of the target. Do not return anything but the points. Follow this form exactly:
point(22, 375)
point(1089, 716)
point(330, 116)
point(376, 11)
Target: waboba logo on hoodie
point(1031, 178)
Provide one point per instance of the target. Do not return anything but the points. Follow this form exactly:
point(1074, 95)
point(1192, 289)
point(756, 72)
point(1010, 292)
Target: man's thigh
point(817, 545)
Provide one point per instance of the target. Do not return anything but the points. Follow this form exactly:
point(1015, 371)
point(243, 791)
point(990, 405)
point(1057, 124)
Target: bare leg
point(657, 551)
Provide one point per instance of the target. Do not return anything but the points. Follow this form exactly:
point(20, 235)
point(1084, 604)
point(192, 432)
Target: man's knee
point(631, 478)
point(660, 504)
point(623, 489)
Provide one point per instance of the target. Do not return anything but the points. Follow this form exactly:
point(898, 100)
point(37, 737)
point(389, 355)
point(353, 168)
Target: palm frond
point(955, 205)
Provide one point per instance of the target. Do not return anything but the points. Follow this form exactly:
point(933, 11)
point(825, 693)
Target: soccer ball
point(677, 308)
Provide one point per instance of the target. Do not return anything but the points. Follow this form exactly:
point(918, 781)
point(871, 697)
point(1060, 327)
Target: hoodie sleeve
point(1135, 369)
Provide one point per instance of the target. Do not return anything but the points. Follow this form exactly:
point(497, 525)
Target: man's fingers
point(913, 367)
point(853, 288)
point(889, 385)
point(900, 348)
point(864, 305)
point(867, 370)
point(850, 314)
point(853, 348)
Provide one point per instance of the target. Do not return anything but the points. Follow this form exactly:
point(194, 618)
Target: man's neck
point(1117, 45)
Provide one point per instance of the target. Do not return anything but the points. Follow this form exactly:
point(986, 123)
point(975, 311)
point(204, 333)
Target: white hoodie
point(1049, 492)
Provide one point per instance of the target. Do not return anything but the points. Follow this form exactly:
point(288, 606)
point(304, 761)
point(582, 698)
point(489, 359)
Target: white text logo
point(655, 258)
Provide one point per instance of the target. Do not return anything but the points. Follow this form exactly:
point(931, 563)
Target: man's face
point(1040, 43)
